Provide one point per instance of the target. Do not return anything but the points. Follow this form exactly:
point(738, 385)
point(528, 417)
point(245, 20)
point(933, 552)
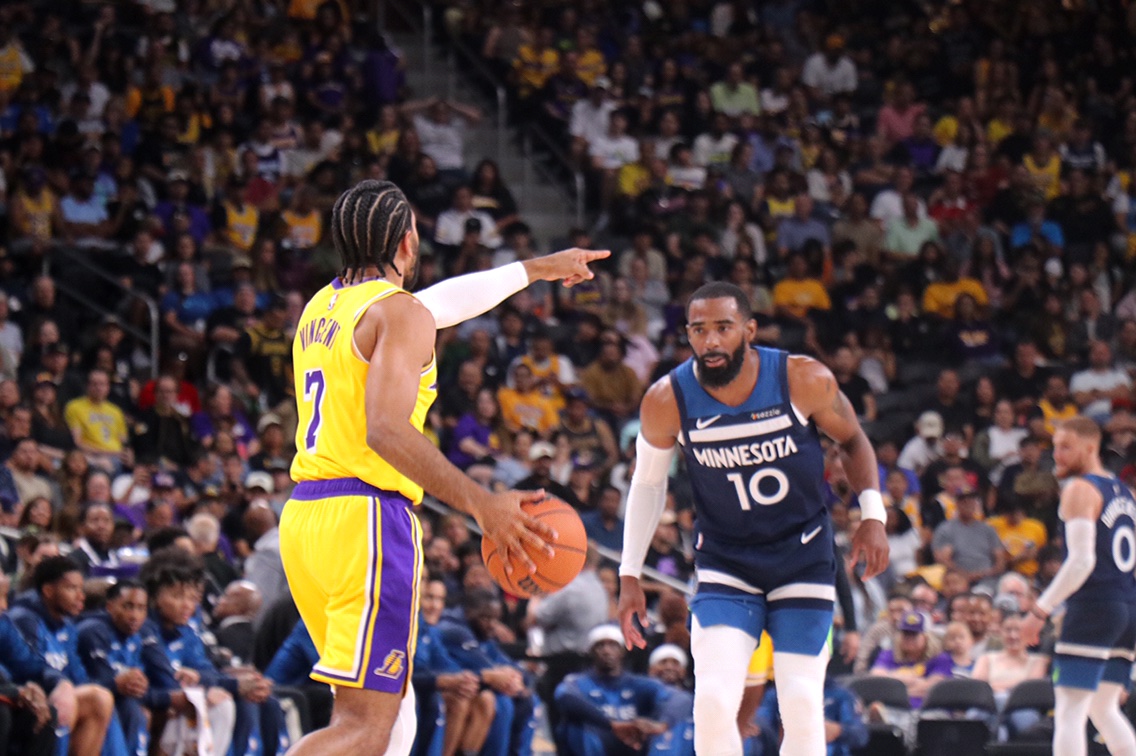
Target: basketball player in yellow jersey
point(365, 378)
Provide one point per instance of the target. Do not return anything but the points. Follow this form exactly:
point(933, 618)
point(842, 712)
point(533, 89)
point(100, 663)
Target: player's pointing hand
point(505, 523)
point(570, 265)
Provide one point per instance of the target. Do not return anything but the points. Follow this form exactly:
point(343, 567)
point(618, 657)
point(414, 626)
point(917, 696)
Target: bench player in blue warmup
point(1093, 658)
point(746, 419)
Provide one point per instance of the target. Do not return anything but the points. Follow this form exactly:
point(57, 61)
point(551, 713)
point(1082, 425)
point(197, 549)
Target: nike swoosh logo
point(806, 537)
point(705, 421)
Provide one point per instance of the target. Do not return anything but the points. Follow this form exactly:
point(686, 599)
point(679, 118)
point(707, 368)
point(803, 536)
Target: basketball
point(552, 572)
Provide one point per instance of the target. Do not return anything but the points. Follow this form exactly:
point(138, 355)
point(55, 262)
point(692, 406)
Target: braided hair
point(368, 222)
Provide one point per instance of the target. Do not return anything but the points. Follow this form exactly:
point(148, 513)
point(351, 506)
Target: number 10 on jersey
point(313, 392)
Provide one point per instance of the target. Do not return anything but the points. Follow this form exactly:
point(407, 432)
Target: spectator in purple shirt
point(475, 436)
point(178, 204)
point(914, 659)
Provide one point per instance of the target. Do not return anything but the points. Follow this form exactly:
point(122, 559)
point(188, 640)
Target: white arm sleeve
point(456, 300)
point(1081, 541)
point(645, 502)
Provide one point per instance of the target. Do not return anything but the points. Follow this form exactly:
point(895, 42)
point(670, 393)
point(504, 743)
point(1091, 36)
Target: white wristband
point(872, 506)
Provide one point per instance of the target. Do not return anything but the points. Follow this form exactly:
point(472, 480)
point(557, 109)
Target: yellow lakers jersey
point(331, 439)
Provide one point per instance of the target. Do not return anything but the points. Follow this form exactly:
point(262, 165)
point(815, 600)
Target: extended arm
point(459, 299)
point(646, 500)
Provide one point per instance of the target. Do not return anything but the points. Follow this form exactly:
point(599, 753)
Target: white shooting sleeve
point(646, 499)
point(1081, 541)
point(459, 299)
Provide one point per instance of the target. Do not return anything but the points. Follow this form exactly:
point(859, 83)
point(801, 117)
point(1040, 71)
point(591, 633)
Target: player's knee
point(95, 703)
point(716, 704)
point(486, 704)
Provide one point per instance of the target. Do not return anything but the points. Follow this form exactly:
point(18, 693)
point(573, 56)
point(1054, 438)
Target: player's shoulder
point(806, 369)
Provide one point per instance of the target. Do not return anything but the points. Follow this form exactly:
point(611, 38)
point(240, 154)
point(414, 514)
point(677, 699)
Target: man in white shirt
point(715, 146)
point(888, 204)
point(614, 149)
point(441, 133)
point(450, 227)
point(591, 116)
point(608, 154)
point(830, 72)
point(1095, 387)
point(926, 446)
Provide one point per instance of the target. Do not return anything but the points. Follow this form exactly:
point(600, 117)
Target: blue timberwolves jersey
point(1113, 578)
point(756, 470)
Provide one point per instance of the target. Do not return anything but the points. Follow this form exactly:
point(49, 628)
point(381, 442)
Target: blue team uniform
point(107, 653)
point(294, 660)
point(430, 660)
point(256, 724)
point(512, 729)
point(589, 703)
point(840, 706)
point(764, 544)
point(57, 643)
point(1098, 634)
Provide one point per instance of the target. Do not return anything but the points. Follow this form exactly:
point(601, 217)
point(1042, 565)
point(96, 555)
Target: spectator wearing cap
point(830, 71)
point(914, 660)
point(613, 387)
point(607, 710)
point(591, 115)
point(541, 455)
point(968, 543)
point(925, 447)
point(273, 452)
point(98, 426)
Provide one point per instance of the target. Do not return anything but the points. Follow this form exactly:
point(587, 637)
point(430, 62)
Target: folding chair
point(952, 737)
point(1036, 695)
point(883, 739)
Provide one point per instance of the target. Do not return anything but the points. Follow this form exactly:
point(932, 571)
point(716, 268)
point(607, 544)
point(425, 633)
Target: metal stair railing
point(73, 256)
point(471, 63)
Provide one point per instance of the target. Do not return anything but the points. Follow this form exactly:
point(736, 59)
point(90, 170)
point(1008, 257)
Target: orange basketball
point(552, 572)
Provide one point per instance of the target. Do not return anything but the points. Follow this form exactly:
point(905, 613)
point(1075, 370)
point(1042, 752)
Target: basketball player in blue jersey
point(746, 420)
point(1092, 663)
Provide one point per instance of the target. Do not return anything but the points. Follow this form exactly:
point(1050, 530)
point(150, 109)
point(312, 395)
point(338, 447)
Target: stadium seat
point(883, 739)
point(1038, 696)
point(876, 688)
point(952, 736)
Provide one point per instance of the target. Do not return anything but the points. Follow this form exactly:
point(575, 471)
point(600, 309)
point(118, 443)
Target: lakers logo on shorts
point(393, 665)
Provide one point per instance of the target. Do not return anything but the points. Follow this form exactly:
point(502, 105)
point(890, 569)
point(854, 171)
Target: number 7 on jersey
point(313, 392)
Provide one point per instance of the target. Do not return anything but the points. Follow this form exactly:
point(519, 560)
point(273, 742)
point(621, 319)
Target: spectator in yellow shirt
point(1021, 536)
point(97, 425)
point(526, 406)
point(799, 293)
point(939, 297)
point(590, 62)
point(536, 62)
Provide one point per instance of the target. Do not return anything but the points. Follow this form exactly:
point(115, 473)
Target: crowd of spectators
point(934, 200)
